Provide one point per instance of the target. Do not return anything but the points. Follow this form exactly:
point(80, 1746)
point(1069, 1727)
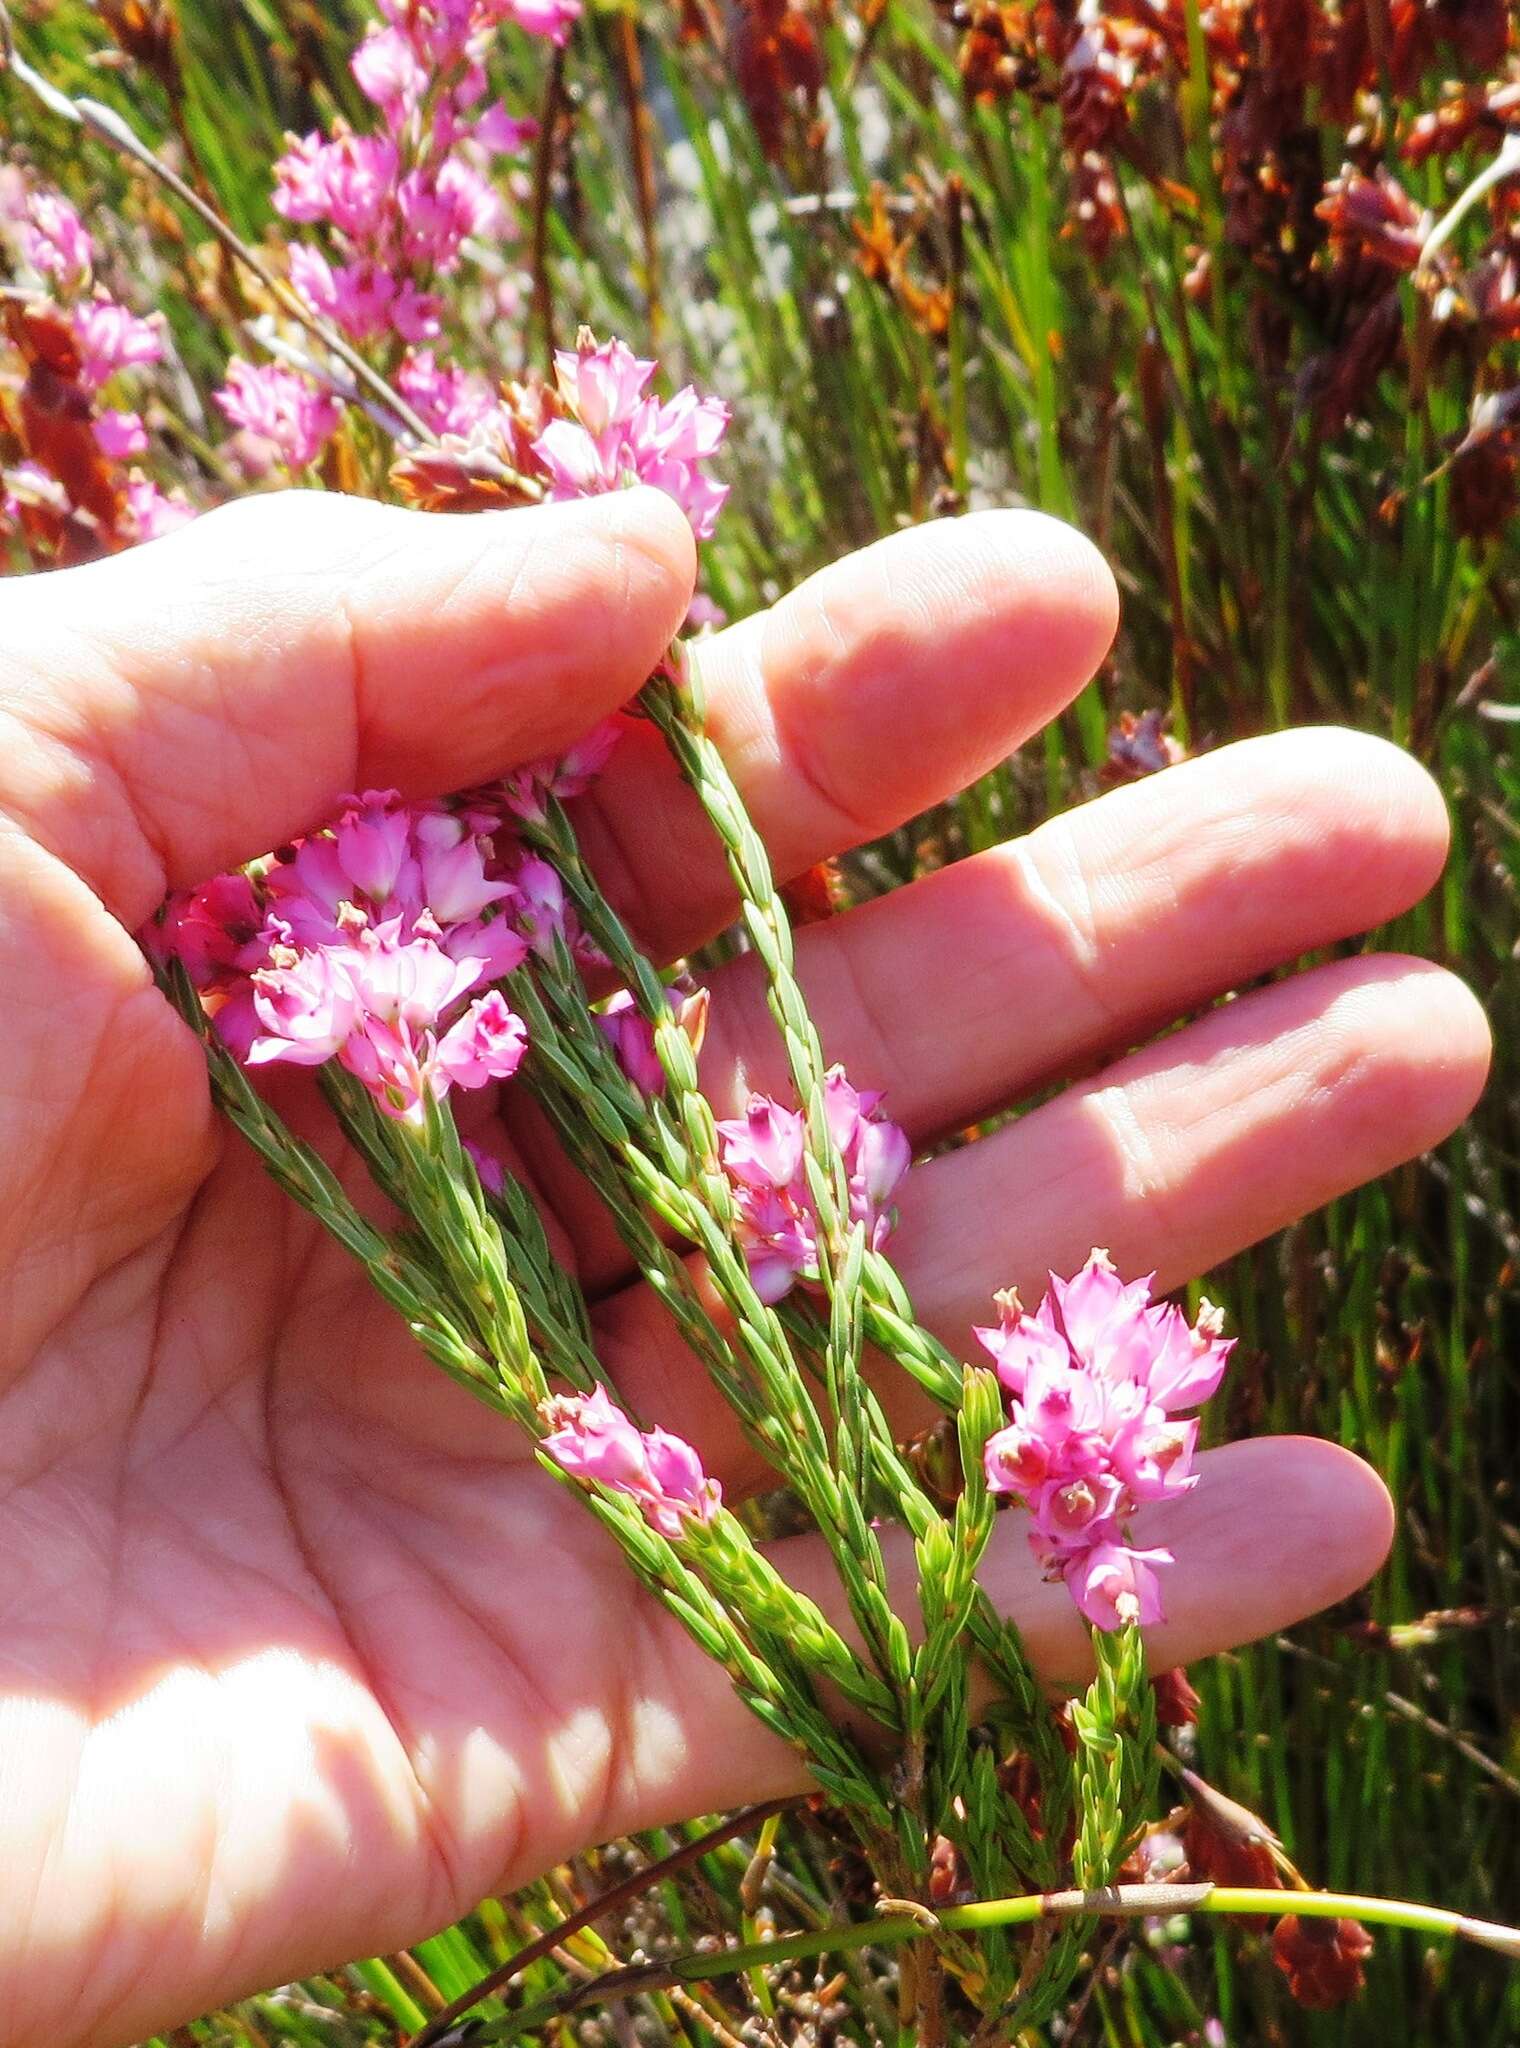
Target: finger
point(879, 686)
point(1182, 1155)
point(986, 979)
point(1275, 1530)
point(172, 712)
point(1174, 1159)
point(993, 975)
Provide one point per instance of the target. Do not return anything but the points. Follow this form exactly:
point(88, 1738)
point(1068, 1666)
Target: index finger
point(168, 713)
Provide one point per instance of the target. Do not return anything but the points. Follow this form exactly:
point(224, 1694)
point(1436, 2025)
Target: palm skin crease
point(299, 1657)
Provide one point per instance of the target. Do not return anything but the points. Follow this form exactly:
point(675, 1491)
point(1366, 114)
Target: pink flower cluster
point(397, 206)
point(110, 339)
point(287, 415)
point(612, 434)
point(762, 1154)
point(374, 943)
point(1097, 1376)
point(594, 1439)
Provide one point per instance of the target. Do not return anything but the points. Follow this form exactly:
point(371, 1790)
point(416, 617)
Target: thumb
point(187, 706)
point(168, 713)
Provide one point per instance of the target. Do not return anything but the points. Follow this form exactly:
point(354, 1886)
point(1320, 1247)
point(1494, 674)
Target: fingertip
point(907, 670)
point(1417, 1040)
point(660, 549)
point(1069, 589)
point(1377, 816)
point(1341, 1495)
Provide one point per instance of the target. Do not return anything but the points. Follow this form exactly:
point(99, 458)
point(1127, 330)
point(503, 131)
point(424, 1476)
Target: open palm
point(299, 1657)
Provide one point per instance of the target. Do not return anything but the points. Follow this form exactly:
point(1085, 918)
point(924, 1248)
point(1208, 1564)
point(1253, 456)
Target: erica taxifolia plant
point(415, 955)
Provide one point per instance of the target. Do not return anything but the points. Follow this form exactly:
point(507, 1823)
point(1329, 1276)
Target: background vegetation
point(891, 276)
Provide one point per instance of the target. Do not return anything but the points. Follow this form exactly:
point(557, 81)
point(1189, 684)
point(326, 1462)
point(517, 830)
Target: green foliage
point(1269, 576)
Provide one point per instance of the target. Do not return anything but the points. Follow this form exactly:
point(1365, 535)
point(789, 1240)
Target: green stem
point(1122, 1902)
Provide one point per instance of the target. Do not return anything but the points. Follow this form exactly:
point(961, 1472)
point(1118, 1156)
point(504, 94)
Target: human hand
point(300, 1655)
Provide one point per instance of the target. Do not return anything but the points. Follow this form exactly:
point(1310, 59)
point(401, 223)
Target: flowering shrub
point(413, 953)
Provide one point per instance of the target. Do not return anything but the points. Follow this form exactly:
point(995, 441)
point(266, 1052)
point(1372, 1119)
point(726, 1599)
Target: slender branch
point(1117, 1902)
point(598, 1908)
point(543, 175)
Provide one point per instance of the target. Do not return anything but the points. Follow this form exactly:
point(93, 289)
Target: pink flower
point(416, 315)
point(451, 401)
point(1095, 1377)
point(502, 132)
point(371, 840)
point(388, 69)
point(601, 385)
point(762, 1154)
point(109, 338)
point(362, 297)
point(567, 775)
point(615, 436)
point(683, 1488)
point(453, 869)
point(489, 1170)
point(551, 18)
point(55, 241)
point(312, 277)
point(763, 1148)
point(876, 1153)
point(348, 182)
point(1112, 1585)
point(486, 1044)
point(213, 930)
point(308, 1007)
point(778, 1234)
point(120, 435)
point(631, 1036)
point(153, 512)
point(282, 408)
point(595, 1440)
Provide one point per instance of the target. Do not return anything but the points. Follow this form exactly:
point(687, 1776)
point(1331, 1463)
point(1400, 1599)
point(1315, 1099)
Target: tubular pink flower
point(362, 296)
point(363, 943)
point(1095, 1377)
point(763, 1148)
point(120, 435)
point(876, 1152)
point(567, 775)
point(552, 19)
point(153, 512)
point(371, 841)
point(281, 408)
point(308, 1007)
point(109, 339)
point(452, 401)
point(486, 1044)
point(762, 1153)
point(56, 242)
point(631, 1036)
point(311, 276)
point(601, 385)
point(595, 1440)
point(778, 1235)
point(453, 869)
point(489, 1170)
point(388, 70)
point(683, 1490)
point(1112, 1585)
